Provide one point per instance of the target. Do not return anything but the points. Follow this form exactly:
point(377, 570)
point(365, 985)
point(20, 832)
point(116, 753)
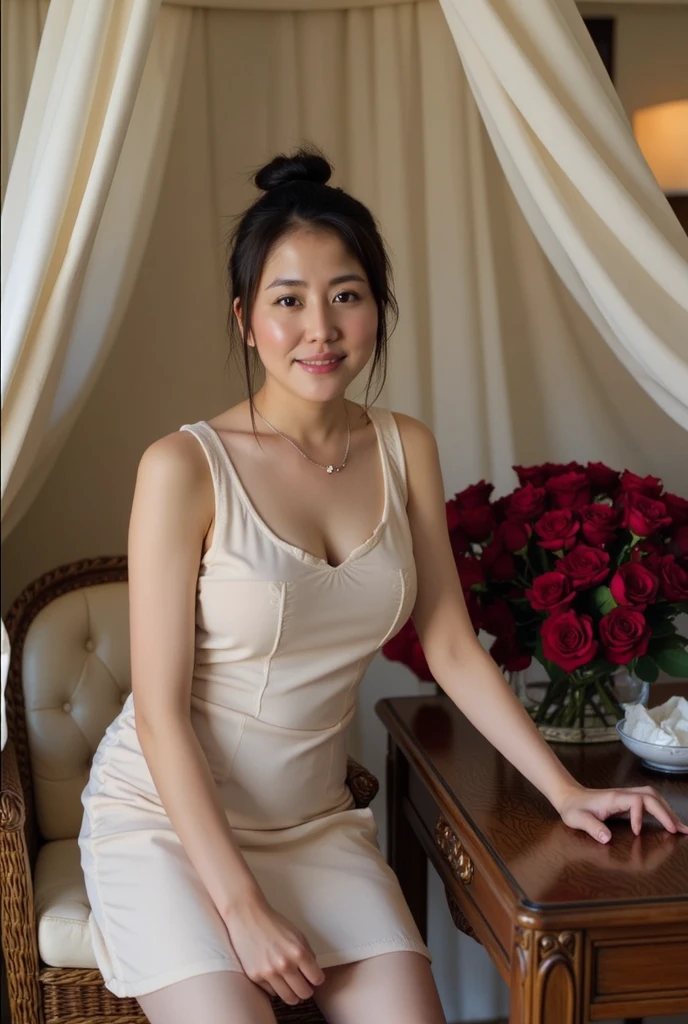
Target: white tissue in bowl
point(656, 755)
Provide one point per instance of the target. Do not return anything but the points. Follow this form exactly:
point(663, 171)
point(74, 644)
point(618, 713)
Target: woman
point(272, 551)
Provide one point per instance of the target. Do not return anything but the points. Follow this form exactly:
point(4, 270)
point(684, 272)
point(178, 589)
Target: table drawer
point(477, 897)
point(639, 966)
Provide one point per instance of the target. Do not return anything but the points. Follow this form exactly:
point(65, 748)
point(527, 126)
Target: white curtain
point(78, 206)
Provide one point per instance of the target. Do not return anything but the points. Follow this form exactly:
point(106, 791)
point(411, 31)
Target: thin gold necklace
point(328, 469)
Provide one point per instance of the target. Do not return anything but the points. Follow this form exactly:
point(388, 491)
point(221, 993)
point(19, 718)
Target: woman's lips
point(321, 365)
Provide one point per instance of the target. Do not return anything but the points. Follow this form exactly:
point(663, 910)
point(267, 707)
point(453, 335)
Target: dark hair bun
point(304, 165)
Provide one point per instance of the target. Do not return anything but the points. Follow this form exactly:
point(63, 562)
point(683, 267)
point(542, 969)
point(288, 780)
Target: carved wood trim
point(453, 852)
point(458, 917)
point(547, 976)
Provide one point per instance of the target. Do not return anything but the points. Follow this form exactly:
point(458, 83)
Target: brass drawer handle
point(454, 853)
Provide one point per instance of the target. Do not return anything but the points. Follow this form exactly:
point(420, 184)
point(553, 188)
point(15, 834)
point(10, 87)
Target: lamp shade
point(662, 134)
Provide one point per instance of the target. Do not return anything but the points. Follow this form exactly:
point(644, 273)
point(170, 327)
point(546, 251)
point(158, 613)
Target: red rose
point(406, 647)
point(649, 546)
point(603, 480)
point(527, 503)
point(539, 475)
point(633, 585)
point(500, 507)
point(559, 468)
point(476, 523)
point(599, 523)
point(625, 635)
point(474, 496)
point(498, 563)
point(506, 653)
point(459, 541)
point(650, 486)
point(513, 535)
point(534, 475)
point(568, 641)
point(452, 515)
point(585, 566)
point(643, 515)
point(677, 508)
point(673, 579)
point(551, 592)
point(568, 490)
point(557, 530)
point(498, 619)
point(470, 571)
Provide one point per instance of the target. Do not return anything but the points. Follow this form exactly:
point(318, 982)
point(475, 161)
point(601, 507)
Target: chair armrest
point(19, 934)
point(362, 783)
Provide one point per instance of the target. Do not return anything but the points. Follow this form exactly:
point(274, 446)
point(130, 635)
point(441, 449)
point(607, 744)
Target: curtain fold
point(79, 202)
point(569, 155)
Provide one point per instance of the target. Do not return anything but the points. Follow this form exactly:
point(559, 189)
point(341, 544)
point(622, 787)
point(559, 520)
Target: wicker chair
point(51, 970)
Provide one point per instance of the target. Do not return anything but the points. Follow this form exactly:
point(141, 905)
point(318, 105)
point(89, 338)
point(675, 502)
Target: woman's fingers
point(588, 822)
point(680, 826)
point(267, 988)
point(636, 800)
point(284, 991)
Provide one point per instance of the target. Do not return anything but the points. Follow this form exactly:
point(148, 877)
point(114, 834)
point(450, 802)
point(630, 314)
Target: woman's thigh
point(220, 997)
point(391, 986)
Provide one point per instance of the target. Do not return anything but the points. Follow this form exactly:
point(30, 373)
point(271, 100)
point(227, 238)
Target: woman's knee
point(391, 986)
point(215, 998)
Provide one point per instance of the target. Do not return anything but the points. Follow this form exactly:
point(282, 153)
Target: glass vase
point(580, 709)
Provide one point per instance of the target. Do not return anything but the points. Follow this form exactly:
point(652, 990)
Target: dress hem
point(343, 956)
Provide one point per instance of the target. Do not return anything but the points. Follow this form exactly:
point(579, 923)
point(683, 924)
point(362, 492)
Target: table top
point(548, 864)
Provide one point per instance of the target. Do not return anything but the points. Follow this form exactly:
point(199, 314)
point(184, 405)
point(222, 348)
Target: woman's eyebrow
point(290, 282)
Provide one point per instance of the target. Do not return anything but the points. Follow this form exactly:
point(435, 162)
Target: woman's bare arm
point(171, 512)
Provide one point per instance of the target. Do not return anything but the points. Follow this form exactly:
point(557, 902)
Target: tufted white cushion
point(76, 676)
point(62, 907)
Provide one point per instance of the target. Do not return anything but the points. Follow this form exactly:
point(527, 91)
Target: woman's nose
point(321, 322)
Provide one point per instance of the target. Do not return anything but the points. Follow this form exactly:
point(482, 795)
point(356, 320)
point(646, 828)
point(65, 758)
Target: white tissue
point(666, 724)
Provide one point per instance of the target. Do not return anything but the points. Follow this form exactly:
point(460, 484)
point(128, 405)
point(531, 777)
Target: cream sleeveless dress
point(282, 642)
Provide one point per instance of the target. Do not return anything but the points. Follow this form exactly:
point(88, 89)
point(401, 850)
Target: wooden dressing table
point(579, 931)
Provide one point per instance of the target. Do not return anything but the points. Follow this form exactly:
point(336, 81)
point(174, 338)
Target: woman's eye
point(347, 296)
point(287, 301)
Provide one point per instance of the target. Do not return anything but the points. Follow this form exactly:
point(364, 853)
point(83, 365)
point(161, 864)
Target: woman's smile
point(327, 364)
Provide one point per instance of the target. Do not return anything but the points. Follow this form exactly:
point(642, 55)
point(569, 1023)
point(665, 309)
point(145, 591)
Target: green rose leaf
point(673, 661)
point(646, 669)
point(603, 600)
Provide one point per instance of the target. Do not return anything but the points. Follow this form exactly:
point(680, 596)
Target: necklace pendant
point(330, 469)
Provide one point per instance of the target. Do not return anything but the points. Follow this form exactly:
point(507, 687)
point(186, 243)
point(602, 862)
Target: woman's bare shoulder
point(174, 476)
point(176, 459)
point(415, 435)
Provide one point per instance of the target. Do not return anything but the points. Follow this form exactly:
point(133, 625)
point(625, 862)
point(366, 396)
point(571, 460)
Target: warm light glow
point(662, 134)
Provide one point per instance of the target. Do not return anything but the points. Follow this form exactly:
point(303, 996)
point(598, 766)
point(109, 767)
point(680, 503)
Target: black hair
point(297, 194)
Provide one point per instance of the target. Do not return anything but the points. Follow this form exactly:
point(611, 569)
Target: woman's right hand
point(274, 954)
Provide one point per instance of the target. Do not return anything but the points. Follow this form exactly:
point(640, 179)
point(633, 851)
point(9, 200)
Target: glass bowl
point(655, 755)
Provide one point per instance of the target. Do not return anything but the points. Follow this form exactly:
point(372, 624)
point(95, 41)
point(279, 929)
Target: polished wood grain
point(580, 931)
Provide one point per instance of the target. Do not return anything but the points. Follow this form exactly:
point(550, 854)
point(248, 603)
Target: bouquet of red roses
point(581, 567)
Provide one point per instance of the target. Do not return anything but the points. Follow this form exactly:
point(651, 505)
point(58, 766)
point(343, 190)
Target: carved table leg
point(405, 853)
point(546, 978)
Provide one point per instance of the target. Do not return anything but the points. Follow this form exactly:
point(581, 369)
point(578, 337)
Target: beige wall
point(149, 388)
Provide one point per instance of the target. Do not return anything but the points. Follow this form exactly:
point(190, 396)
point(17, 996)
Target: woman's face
point(314, 320)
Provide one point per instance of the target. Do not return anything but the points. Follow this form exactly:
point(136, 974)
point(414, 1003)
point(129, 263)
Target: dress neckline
point(293, 549)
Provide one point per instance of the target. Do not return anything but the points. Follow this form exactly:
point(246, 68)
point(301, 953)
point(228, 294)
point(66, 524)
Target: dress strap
point(208, 440)
point(389, 431)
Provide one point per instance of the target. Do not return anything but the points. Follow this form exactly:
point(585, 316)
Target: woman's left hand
point(586, 809)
